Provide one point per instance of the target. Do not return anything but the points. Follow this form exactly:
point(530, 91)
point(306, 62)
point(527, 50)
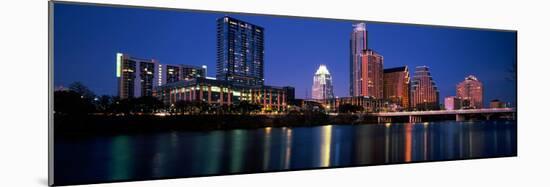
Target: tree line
point(80, 100)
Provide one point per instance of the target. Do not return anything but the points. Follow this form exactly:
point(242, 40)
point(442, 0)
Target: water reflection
point(212, 154)
point(120, 165)
point(408, 142)
point(326, 137)
point(238, 140)
point(267, 148)
point(362, 145)
point(288, 148)
point(180, 154)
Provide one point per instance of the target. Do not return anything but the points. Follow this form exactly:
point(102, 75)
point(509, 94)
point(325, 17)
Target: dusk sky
point(86, 39)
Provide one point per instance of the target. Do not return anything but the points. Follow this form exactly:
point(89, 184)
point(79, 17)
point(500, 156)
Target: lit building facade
point(369, 104)
point(372, 74)
point(137, 77)
point(452, 103)
point(219, 92)
point(396, 86)
point(175, 73)
point(358, 44)
point(424, 92)
point(240, 52)
point(471, 89)
point(322, 84)
point(366, 66)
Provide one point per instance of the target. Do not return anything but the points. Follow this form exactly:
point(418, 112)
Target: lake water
point(199, 153)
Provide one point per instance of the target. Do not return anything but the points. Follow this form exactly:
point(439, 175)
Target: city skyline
point(279, 59)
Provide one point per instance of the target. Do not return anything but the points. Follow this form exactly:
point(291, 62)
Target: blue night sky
point(86, 39)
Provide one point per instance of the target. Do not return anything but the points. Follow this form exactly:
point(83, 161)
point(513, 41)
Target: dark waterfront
point(197, 153)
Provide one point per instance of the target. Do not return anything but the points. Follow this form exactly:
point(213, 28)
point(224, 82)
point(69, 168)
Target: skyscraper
point(322, 84)
point(396, 85)
point(137, 77)
point(471, 90)
point(372, 74)
point(424, 92)
point(366, 66)
point(358, 43)
point(240, 52)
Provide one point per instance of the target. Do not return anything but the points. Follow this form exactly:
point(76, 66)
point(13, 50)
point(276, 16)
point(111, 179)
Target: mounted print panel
point(146, 93)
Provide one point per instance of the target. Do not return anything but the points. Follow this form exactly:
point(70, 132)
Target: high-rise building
point(322, 84)
point(240, 52)
point(452, 103)
point(424, 92)
point(396, 85)
point(175, 73)
point(371, 81)
point(137, 77)
point(358, 44)
point(471, 89)
point(366, 66)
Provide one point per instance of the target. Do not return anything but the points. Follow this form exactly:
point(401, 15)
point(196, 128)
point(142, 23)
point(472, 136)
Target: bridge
point(416, 116)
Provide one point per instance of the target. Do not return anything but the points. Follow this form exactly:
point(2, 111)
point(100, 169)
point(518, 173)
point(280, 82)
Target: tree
point(124, 106)
point(245, 107)
point(104, 103)
point(72, 103)
point(183, 106)
point(81, 89)
point(202, 106)
point(199, 107)
point(147, 104)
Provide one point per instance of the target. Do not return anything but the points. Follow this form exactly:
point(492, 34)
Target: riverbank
point(94, 124)
point(109, 124)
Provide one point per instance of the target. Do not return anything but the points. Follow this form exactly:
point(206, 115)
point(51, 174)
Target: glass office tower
point(358, 44)
point(240, 52)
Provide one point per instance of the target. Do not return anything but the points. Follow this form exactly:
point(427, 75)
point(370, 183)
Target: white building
point(322, 84)
point(137, 77)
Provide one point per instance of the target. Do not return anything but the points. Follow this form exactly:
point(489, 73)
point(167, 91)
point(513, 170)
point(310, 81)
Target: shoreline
point(91, 124)
point(99, 124)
